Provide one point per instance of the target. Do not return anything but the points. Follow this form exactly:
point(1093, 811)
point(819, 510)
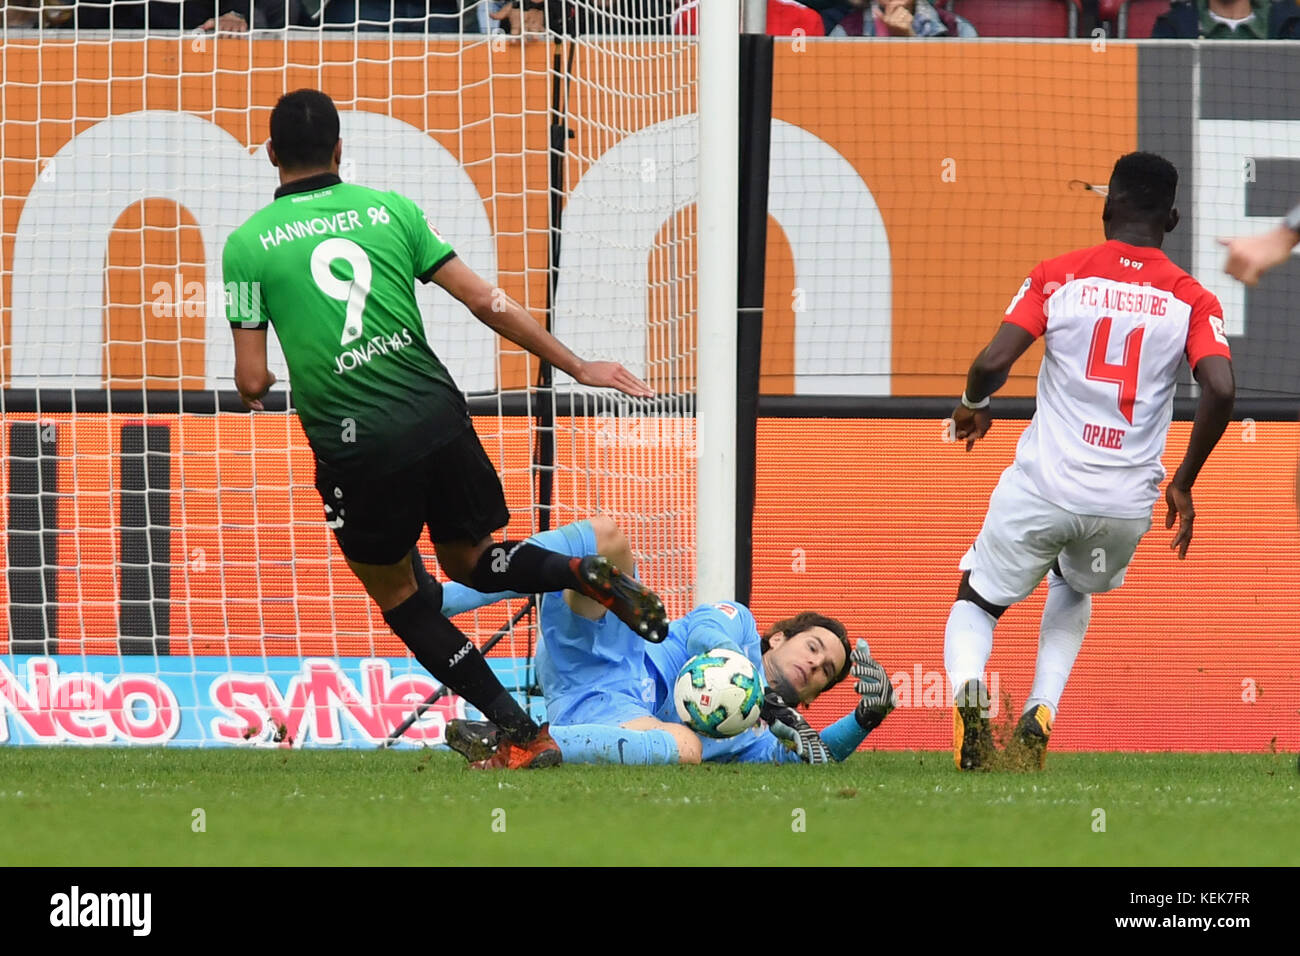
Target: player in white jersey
point(1118, 319)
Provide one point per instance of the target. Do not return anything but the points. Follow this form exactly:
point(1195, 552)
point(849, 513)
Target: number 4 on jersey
point(1124, 375)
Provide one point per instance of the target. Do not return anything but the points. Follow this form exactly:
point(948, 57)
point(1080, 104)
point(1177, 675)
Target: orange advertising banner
point(866, 521)
point(912, 188)
point(248, 564)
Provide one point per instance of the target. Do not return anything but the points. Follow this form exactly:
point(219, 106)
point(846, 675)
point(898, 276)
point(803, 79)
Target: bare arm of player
point(987, 374)
point(1249, 257)
point(508, 318)
point(252, 377)
point(1218, 389)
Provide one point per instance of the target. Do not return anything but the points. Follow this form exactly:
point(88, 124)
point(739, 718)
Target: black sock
point(422, 576)
point(453, 659)
point(523, 567)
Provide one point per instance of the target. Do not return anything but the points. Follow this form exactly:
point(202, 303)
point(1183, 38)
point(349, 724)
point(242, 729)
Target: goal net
point(168, 576)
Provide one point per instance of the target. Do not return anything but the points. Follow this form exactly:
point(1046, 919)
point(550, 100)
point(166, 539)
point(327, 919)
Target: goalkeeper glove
point(791, 729)
point(872, 684)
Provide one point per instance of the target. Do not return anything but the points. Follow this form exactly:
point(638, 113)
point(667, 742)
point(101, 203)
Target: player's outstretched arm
point(1249, 257)
point(987, 374)
point(1218, 388)
point(508, 318)
point(724, 625)
point(252, 378)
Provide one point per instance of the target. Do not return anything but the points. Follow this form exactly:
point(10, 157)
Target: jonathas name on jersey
point(378, 345)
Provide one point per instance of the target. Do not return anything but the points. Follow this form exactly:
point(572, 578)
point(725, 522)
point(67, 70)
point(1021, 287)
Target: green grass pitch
point(73, 807)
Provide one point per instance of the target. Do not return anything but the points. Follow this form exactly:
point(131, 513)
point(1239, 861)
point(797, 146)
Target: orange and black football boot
point(631, 601)
point(539, 752)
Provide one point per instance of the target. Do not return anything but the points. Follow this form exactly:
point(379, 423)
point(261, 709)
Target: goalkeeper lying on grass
point(609, 693)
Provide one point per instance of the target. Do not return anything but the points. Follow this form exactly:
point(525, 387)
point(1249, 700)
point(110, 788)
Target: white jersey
point(1118, 320)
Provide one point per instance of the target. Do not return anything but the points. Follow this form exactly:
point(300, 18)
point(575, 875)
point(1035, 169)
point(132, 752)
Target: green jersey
point(333, 266)
point(1255, 26)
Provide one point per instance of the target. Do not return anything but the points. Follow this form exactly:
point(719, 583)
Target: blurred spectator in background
point(622, 17)
point(227, 16)
point(1230, 20)
point(899, 18)
point(784, 17)
point(832, 11)
point(516, 17)
point(399, 16)
point(33, 13)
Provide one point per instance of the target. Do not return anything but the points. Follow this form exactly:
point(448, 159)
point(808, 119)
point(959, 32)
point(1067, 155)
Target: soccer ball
point(718, 694)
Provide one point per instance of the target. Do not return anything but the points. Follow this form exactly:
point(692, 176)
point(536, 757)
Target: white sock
point(967, 643)
point(1065, 621)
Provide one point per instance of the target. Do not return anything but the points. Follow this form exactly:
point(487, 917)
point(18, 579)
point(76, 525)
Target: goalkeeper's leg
point(597, 697)
point(572, 540)
point(464, 505)
point(521, 566)
point(643, 742)
point(599, 534)
point(609, 542)
point(655, 743)
point(688, 743)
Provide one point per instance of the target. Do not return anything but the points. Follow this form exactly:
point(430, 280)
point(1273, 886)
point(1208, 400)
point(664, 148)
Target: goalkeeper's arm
point(841, 738)
point(845, 736)
point(725, 625)
point(790, 738)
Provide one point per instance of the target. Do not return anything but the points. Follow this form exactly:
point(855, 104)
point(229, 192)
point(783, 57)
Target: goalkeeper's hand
point(791, 729)
point(872, 685)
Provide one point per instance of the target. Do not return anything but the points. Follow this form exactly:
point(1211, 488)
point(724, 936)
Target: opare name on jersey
point(1103, 436)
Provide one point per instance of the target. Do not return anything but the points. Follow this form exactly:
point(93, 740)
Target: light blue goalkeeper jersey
point(606, 674)
point(613, 676)
point(732, 626)
point(706, 628)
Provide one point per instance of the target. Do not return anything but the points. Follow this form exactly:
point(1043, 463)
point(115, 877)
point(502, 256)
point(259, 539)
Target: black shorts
point(454, 490)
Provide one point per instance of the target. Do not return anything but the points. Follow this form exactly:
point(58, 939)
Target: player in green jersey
point(332, 266)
